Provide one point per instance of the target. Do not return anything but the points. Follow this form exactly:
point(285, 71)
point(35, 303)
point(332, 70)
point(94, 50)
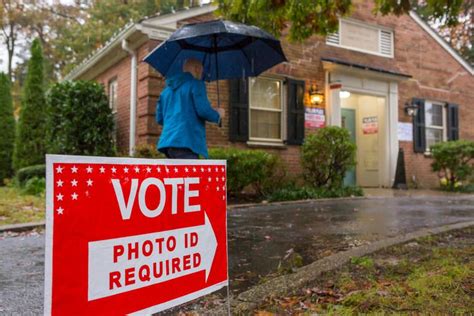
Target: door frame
point(388, 167)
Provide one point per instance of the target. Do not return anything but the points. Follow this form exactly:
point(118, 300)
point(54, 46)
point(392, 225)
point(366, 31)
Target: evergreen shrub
point(326, 157)
point(80, 121)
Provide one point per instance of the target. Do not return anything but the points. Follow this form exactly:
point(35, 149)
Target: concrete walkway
point(260, 238)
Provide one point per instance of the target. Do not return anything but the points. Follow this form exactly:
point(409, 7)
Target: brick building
point(366, 78)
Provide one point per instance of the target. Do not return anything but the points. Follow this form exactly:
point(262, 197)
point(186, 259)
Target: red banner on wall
point(128, 236)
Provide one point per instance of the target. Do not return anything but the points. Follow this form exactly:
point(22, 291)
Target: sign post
point(127, 236)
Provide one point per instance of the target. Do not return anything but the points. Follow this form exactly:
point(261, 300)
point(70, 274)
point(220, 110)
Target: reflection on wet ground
point(261, 237)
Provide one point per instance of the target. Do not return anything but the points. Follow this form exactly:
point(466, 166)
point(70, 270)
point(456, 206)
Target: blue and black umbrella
point(227, 50)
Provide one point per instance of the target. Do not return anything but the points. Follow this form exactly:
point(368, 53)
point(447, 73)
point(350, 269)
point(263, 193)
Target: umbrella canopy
point(226, 49)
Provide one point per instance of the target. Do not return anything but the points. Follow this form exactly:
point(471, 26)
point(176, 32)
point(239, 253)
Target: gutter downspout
point(133, 94)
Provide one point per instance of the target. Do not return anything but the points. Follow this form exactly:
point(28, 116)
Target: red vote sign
point(128, 236)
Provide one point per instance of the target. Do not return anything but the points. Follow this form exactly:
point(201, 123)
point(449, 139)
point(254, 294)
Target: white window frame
point(444, 128)
point(331, 39)
point(112, 101)
point(260, 140)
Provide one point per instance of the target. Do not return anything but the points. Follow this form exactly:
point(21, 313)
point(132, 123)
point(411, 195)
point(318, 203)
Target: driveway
point(260, 238)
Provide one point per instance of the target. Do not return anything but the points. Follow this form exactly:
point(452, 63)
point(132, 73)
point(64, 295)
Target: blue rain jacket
point(183, 109)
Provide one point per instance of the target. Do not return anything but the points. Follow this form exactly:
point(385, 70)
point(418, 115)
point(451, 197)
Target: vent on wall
point(386, 43)
point(333, 38)
point(362, 37)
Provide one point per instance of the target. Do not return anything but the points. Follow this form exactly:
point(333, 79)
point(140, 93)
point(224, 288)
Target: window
point(435, 123)
point(113, 99)
point(362, 37)
point(265, 109)
point(113, 95)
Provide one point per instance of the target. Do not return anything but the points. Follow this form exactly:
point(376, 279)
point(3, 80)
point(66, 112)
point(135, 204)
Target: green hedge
point(147, 151)
point(454, 162)
point(260, 170)
point(27, 173)
point(292, 193)
point(80, 121)
point(326, 156)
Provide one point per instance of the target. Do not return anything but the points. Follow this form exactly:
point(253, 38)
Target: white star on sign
point(167, 170)
point(148, 169)
point(74, 196)
point(60, 210)
point(223, 169)
point(89, 182)
point(59, 169)
point(209, 179)
point(218, 189)
point(102, 169)
point(158, 169)
point(194, 169)
point(125, 170)
point(223, 188)
point(202, 169)
point(217, 179)
point(59, 183)
point(114, 170)
point(89, 169)
point(223, 197)
point(175, 169)
point(137, 170)
point(74, 183)
point(223, 178)
point(209, 169)
point(186, 169)
point(74, 169)
point(217, 169)
point(59, 197)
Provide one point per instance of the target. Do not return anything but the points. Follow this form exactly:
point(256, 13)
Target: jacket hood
point(177, 80)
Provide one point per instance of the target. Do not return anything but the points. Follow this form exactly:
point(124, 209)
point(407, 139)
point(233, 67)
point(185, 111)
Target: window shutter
point(295, 113)
point(419, 138)
point(238, 110)
point(453, 121)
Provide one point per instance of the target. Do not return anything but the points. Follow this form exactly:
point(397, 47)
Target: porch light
point(316, 97)
point(411, 109)
point(344, 94)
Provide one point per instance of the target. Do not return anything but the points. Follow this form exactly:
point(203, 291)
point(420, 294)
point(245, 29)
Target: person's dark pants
point(180, 153)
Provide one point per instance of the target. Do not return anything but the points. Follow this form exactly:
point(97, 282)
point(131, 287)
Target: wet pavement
point(261, 237)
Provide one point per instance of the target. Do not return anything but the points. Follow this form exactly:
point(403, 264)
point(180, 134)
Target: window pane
point(433, 136)
point(265, 124)
point(265, 93)
point(434, 114)
point(113, 95)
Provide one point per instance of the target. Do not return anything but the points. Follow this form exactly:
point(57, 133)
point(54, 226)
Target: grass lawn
point(432, 275)
point(16, 208)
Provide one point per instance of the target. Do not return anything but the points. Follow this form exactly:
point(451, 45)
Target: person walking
point(183, 109)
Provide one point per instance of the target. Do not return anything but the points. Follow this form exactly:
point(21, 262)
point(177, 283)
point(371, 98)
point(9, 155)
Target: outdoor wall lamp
point(411, 109)
point(316, 97)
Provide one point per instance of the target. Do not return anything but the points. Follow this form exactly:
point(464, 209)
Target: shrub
point(30, 142)
point(258, 169)
point(27, 173)
point(293, 193)
point(34, 186)
point(80, 121)
point(147, 151)
point(7, 122)
point(454, 161)
point(326, 156)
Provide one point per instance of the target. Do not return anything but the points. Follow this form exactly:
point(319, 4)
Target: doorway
point(365, 118)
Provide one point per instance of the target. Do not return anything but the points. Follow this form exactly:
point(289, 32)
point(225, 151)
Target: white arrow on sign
point(141, 263)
